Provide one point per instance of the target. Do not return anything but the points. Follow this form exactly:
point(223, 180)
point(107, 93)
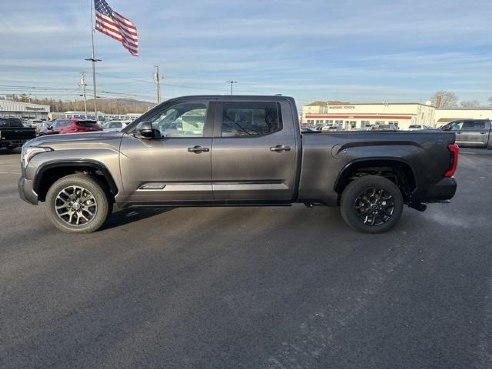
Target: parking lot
point(286, 287)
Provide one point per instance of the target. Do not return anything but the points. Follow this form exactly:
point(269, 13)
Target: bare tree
point(470, 104)
point(445, 99)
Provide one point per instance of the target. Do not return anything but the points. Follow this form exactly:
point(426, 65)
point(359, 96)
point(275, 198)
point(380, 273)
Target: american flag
point(116, 26)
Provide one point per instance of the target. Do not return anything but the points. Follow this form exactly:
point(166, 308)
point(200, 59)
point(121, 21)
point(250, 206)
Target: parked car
point(61, 126)
point(471, 132)
point(236, 150)
point(114, 125)
point(39, 127)
point(385, 127)
point(310, 130)
point(330, 128)
point(416, 127)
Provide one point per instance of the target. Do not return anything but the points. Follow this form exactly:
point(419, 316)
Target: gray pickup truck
point(232, 151)
point(471, 132)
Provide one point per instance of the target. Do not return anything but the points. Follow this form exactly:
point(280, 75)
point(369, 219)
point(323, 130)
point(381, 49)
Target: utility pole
point(157, 79)
point(94, 61)
point(231, 82)
point(83, 85)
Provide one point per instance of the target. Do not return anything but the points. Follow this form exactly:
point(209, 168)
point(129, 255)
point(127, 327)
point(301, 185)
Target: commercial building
point(90, 115)
point(22, 110)
point(349, 116)
point(443, 116)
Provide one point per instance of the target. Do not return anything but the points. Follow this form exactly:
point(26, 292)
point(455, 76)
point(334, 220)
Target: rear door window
point(473, 125)
point(250, 119)
point(86, 123)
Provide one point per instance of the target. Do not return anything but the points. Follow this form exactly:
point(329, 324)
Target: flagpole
point(93, 59)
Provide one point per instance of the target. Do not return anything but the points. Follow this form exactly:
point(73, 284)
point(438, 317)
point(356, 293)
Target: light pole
point(94, 61)
point(157, 79)
point(231, 82)
point(83, 84)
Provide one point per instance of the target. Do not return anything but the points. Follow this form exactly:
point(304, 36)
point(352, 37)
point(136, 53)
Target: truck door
point(175, 165)
point(472, 133)
point(254, 151)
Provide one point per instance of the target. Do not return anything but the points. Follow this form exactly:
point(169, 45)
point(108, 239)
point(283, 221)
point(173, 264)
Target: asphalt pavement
point(271, 287)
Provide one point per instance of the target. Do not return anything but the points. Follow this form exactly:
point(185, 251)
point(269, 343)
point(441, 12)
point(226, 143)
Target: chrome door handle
point(198, 149)
point(280, 148)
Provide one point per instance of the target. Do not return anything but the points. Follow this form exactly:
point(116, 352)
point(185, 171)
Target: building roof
point(326, 103)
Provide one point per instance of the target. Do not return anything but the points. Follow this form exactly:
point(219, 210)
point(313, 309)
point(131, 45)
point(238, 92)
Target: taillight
point(455, 150)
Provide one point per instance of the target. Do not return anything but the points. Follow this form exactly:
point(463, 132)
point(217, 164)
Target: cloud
point(349, 50)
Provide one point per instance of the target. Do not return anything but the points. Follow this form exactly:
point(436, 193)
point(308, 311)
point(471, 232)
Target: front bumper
point(26, 192)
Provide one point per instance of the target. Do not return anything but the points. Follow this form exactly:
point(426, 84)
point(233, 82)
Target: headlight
point(28, 152)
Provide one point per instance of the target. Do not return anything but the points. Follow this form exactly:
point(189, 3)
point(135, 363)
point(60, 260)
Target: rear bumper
point(443, 190)
point(26, 192)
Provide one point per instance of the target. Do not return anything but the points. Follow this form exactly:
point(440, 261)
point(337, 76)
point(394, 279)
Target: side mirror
point(144, 130)
point(50, 127)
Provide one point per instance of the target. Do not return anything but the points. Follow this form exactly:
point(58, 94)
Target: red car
point(61, 126)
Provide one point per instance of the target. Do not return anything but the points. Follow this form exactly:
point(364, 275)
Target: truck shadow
point(130, 215)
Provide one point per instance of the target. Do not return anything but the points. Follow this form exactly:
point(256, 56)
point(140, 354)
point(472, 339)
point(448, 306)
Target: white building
point(23, 110)
point(443, 116)
point(358, 116)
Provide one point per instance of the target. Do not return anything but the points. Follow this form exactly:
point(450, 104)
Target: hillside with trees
point(110, 106)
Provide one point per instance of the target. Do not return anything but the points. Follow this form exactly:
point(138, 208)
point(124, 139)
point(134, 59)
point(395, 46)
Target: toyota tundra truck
point(236, 151)
point(13, 134)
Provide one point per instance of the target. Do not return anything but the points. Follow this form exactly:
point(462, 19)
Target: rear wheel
point(371, 204)
point(78, 203)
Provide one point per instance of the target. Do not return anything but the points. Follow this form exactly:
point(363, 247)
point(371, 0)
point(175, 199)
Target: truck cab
point(471, 132)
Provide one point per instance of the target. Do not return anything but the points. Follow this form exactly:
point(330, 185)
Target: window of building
point(365, 123)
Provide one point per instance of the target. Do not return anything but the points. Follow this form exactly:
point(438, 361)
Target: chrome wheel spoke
point(75, 205)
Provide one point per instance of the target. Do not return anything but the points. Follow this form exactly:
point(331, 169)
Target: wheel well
point(399, 173)
point(49, 176)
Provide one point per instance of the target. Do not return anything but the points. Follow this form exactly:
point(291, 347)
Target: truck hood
point(76, 139)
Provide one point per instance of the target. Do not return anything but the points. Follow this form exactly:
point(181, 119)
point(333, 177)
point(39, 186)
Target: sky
point(353, 50)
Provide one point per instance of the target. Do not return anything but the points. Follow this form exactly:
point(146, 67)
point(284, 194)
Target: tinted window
point(61, 123)
point(473, 125)
point(246, 119)
point(86, 123)
point(15, 122)
point(10, 122)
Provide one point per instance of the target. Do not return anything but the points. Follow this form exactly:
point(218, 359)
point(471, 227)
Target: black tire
point(78, 203)
point(371, 204)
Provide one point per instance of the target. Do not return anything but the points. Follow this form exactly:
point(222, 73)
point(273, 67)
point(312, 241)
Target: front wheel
point(371, 204)
point(78, 203)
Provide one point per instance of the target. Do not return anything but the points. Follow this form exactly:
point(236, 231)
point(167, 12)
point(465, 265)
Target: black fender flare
point(83, 163)
point(400, 165)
